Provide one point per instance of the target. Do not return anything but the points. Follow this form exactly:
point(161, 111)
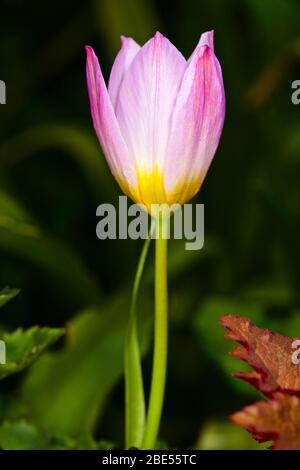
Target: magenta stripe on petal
point(198, 117)
point(105, 123)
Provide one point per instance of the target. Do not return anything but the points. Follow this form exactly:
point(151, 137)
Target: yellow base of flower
point(150, 189)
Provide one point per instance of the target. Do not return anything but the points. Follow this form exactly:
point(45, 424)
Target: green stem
point(134, 391)
point(160, 338)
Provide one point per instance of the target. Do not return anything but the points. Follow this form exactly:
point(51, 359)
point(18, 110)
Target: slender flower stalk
point(160, 338)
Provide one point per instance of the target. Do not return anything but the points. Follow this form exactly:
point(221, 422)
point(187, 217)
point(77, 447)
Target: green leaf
point(223, 435)
point(19, 235)
point(270, 293)
point(78, 143)
point(20, 435)
point(290, 327)
point(24, 346)
point(134, 388)
point(211, 336)
point(7, 294)
point(81, 376)
point(86, 443)
point(104, 445)
point(181, 261)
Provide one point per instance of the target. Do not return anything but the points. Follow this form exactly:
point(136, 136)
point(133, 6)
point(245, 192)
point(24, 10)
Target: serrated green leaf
point(7, 294)
point(24, 346)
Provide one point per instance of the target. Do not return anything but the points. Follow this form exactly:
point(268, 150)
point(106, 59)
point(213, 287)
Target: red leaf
point(277, 419)
point(269, 354)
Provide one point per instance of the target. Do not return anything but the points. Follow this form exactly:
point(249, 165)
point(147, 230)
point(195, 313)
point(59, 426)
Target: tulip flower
point(159, 123)
point(160, 120)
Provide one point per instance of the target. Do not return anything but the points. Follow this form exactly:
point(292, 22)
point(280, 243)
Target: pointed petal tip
point(157, 41)
point(158, 35)
point(204, 47)
point(127, 41)
point(89, 51)
point(124, 39)
point(207, 39)
point(157, 38)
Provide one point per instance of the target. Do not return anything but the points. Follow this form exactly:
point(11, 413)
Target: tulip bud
point(160, 120)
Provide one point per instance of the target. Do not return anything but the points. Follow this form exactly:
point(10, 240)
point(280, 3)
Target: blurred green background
point(53, 176)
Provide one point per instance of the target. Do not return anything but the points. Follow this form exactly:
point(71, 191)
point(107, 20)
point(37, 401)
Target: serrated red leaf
point(277, 420)
point(269, 354)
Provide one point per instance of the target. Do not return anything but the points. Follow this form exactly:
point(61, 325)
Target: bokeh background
point(53, 176)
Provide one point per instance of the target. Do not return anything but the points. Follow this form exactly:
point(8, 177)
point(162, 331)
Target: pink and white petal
point(123, 60)
point(146, 100)
point(206, 39)
point(106, 125)
point(197, 121)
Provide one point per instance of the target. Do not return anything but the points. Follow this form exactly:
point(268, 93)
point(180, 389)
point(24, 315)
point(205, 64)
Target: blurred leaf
point(135, 408)
point(269, 293)
point(10, 208)
point(211, 335)
point(11, 407)
point(20, 435)
point(87, 443)
point(275, 73)
point(24, 346)
point(277, 419)
point(81, 376)
point(290, 327)
point(104, 445)
point(75, 141)
point(135, 18)
point(182, 305)
point(223, 435)
point(7, 294)
point(275, 20)
point(20, 236)
point(271, 78)
point(162, 445)
point(292, 145)
point(180, 260)
point(46, 63)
